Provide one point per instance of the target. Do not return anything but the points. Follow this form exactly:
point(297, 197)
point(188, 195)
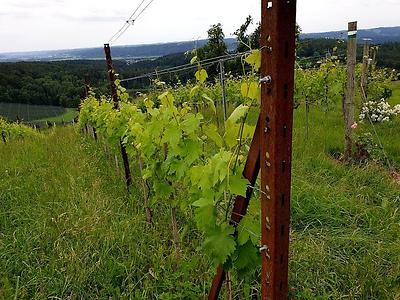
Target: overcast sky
point(63, 24)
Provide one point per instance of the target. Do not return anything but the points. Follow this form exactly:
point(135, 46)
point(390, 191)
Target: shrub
point(379, 111)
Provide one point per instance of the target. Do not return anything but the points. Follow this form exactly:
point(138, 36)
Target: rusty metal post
point(111, 76)
point(278, 41)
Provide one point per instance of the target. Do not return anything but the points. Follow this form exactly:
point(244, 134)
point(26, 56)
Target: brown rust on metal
point(217, 283)
point(277, 33)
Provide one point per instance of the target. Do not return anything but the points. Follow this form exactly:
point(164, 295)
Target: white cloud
point(55, 24)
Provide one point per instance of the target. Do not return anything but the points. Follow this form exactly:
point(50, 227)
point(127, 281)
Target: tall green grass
point(69, 230)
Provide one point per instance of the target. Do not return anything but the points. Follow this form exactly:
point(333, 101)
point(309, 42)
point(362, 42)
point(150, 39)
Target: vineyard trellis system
point(270, 150)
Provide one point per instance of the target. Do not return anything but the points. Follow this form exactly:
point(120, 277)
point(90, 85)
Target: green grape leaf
point(167, 99)
point(244, 89)
point(203, 202)
point(206, 217)
point(238, 113)
point(231, 133)
point(201, 75)
point(220, 243)
point(211, 103)
point(192, 150)
point(254, 59)
point(194, 91)
point(249, 229)
point(219, 166)
point(195, 174)
point(191, 123)
point(246, 258)
point(172, 135)
point(212, 132)
point(193, 60)
point(238, 185)
point(200, 176)
point(248, 131)
point(254, 91)
point(176, 166)
point(162, 190)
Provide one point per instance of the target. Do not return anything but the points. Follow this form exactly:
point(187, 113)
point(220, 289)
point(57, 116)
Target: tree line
point(62, 83)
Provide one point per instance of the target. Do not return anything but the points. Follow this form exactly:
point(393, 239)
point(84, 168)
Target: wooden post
point(348, 105)
point(222, 80)
point(3, 137)
point(278, 43)
point(375, 50)
point(111, 76)
point(146, 192)
point(364, 71)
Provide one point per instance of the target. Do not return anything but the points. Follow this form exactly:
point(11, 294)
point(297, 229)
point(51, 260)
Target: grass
point(69, 230)
point(36, 113)
point(395, 98)
point(67, 116)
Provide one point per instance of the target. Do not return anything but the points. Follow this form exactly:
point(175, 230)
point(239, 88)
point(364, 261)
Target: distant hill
point(378, 35)
point(119, 52)
point(139, 52)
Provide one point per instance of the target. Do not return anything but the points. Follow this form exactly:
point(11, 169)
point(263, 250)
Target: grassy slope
point(67, 116)
point(68, 230)
point(395, 99)
point(37, 113)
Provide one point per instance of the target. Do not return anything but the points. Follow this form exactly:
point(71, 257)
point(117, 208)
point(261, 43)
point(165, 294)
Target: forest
point(62, 83)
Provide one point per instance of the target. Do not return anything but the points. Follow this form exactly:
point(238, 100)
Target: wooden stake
point(348, 105)
point(222, 80)
point(3, 137)
point(364, 71)
point(149, 212)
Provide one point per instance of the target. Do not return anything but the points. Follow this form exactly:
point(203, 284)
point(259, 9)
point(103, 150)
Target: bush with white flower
point(379, 111)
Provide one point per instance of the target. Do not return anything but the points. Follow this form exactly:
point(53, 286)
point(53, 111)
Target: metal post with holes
point(278, 42)
point(271, 150)
point(111, 76)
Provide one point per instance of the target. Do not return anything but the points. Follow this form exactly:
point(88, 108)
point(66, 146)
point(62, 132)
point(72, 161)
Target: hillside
point(378, 35)
point(70, 230)
point(135, 52)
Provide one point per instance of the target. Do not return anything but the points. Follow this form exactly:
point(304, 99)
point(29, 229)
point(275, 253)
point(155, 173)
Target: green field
point(68, 229)
point(36, 113)
point(395, 98)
